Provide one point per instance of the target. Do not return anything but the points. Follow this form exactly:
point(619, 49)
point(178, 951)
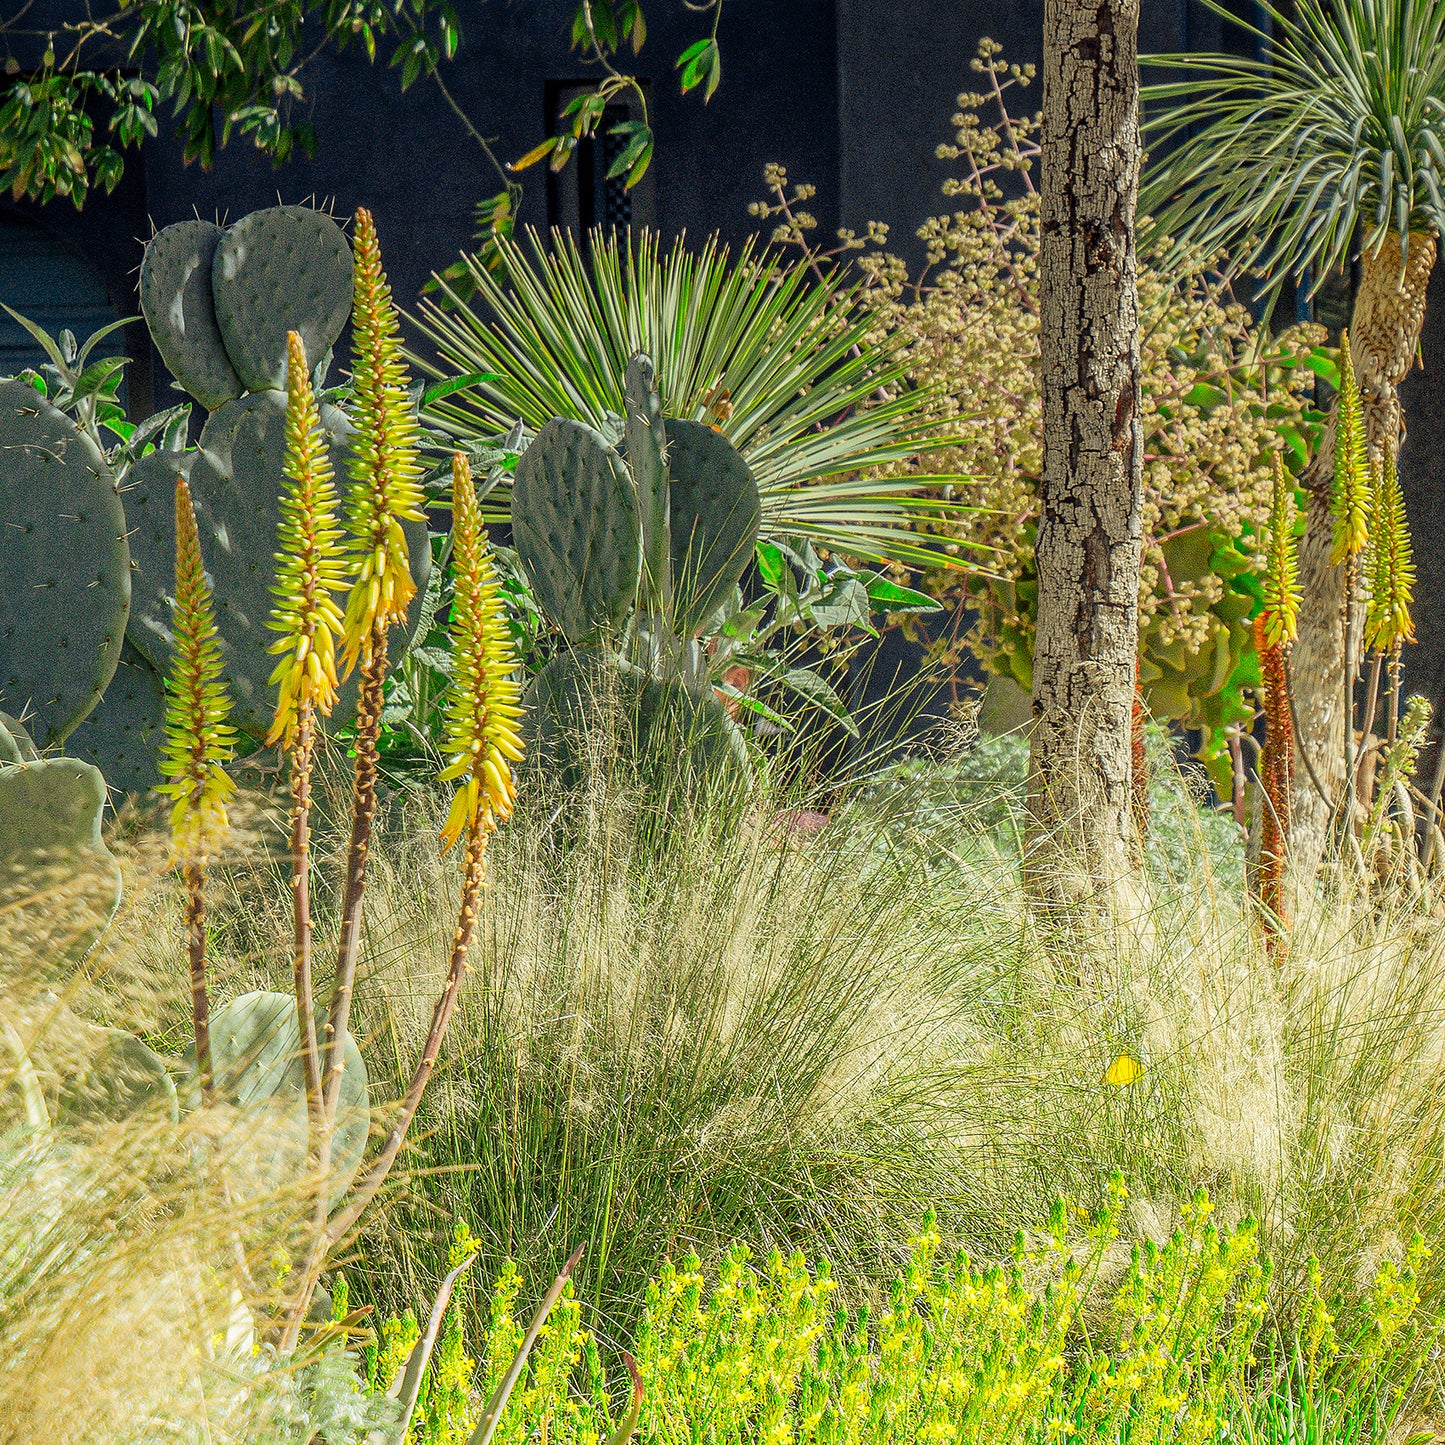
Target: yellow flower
point(1350, 493)
point(1123, 1071)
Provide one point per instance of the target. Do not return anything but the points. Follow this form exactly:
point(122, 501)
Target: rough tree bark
point(1384, 337)
point(1087, 550)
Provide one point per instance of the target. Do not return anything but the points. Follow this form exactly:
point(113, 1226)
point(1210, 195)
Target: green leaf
point(814, 690)
point(457, 383)
point(892, 598)
point(770, 563)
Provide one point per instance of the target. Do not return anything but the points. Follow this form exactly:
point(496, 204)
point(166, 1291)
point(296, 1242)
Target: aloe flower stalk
point(482, 744)
point(1350, 491)
point(1388, 623)
point(385, 490)
point(198, 742)
point(312, 566)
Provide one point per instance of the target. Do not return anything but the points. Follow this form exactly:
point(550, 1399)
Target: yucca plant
point(1327, 149)
point(198, 742)
point(777, 355)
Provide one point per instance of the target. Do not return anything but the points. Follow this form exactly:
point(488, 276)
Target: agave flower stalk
point(385, 490)
point(198, 742)
point(1274, 629)
point(482, 743)
point(312, 567)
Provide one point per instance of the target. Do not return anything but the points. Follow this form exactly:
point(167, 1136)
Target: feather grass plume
point(311, 561)
point(1281, 575)
point(385, 467)
point(198, 737)
point(1350, 493)
point(1388, 623)
point(483, 709)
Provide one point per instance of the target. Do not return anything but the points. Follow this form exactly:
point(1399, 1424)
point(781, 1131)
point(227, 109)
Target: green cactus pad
point(16, 745)
point(284, 269)
point(123, 736)
point(575, 527)
point(647, 460)
point(256, 1058)
point(51, 850)
point(656, 721)
point(175, 298)
point(64, 567)
point(235, 485)
point(714, 517)
point(124, 1077)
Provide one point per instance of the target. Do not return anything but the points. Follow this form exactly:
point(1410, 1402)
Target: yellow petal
point(1123, 1071)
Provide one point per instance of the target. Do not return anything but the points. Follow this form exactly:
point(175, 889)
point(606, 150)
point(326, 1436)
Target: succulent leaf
point(1350, 494)
point(199, 739)
point(385, 465)
point(483, 706)
point(311, 561)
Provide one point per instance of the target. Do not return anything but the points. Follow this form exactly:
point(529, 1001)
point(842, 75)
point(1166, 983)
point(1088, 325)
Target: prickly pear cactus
point(123, 736)
point(284, 269)
point(256, 1058)
point(123, 1078)
point(575, 526)
point(175, 299)
point(647, 460)
point(53, 860)
point(714, 517)
point(64, 567)
point(236, 487)
point(16, 745)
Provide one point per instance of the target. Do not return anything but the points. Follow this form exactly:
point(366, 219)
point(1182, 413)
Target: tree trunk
point(1087, 550)
point(1384, 337)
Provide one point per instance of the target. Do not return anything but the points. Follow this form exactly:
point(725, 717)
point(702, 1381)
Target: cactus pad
point(284, 269)
point(714, 517)
point(122, 1078)
point(175, 298)
point(236, 486)
point(575, 527)
point(123, 736)
point(15, 743)
point(64, 567)
point(256, 1058)
point(51, 851)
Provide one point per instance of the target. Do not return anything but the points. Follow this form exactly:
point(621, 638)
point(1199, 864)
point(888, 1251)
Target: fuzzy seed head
point(385, 466)
point(1281, 575)
point(483, 705)
point(1350, 493)
point(198, 738)
point(312, 564)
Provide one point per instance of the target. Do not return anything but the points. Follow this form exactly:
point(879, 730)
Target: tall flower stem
point(194, 875)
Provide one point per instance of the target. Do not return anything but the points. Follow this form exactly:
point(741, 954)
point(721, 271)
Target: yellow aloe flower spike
point(1392, 573)
point(311, 563)
point(483, 704)
point(198, 738)
point(1281, 575)
point(385, 465)
point(1350, 493)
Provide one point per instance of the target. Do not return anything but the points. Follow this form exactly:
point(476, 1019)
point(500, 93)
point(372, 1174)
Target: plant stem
point(301, 756)
point(363, 811)
point(473, 873)
point(1347, 802)
point(195, 876)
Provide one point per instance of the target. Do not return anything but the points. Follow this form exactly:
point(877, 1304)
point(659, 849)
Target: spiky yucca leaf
point(1281, 573)
point(483, 704)
point(311, 564)
point(1392, 572)
point(198, 737)
point(815, 398)
point(1350, 490)
point(385, 465)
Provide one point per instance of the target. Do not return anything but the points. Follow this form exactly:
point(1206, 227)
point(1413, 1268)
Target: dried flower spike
point(311, 563)
point(1388, 623)
point(1281, 574)
point(1350, 493)
point(198, 739)
point(483, 706)
point(385, 466)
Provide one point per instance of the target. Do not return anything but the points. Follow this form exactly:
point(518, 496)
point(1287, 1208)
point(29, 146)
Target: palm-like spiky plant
point(198, 742)
point(1331, 147)
point(785, 365)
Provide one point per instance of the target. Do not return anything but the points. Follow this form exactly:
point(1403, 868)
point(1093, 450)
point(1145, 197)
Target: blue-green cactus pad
point(52, 852)
point(64, 567)
point(256, 1059)
point(124, 1077)
point(236, 482)
point(175, 298)
point(284, 269)
point(714, 516)
point(123, 736)
point(16, 745)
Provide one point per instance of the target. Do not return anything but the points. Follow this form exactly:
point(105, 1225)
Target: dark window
point(582, 197)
